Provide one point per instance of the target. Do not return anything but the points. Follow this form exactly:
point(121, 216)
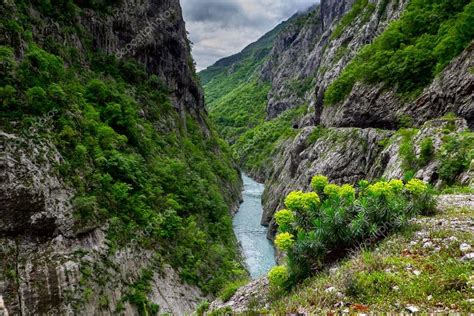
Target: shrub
point(202, 308)
point(426, 151)
point(319, 182)
point(347, 191)
point(284, 241)
point(229, 290)
point(396, 185)
point(416, 187)
point(332, 190)
point(284, 219)
point(298, 201)
point(379, 189)
point(37, 100)
point(340, 222)
point(455, 156)
point(40, 68)
point(278, 276)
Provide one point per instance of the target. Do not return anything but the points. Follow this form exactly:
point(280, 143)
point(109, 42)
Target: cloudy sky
point(219, 28)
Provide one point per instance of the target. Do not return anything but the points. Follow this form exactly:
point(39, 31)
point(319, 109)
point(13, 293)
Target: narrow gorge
point(326, 168)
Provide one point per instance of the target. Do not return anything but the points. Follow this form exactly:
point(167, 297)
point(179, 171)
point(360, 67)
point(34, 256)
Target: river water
point(258, 251)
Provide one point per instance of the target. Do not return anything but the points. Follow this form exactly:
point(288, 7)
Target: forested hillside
point(365, 113)
point(115, 193)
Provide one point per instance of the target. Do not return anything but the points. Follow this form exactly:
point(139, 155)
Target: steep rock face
point(315, 56)
point(374, 106)
point(156, 33)
point(51, 265)
point(46, 258)
point(308, 56)
point(342, 154)
point(347, 155)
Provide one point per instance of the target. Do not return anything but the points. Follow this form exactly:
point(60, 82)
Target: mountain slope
point(115, 194)
point(319, 49)
point(404, 108)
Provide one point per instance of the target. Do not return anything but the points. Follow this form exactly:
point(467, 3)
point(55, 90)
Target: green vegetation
point(153, 175)
point(412, 50)
point(399, 272)
point(229, 290)
point(456, 155)
point(138, 294)
point(256, 147)
point(240, 110)
point(359, 7)
point(334, 220)
point(237, 98)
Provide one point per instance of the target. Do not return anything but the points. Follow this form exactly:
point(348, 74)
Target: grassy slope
point(422, 266)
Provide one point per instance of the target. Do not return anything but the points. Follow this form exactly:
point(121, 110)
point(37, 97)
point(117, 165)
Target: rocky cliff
point(55, 260)
point(347, 140)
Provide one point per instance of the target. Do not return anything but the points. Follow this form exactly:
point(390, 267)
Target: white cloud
point(219, 28)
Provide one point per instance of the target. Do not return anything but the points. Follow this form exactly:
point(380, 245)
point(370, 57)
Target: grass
point(392, 276)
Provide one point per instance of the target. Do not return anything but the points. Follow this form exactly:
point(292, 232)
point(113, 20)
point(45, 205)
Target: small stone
point(469, 256)
point(417, 272)
point(452, 238)
point(428, 244)
point(464, 247)
point(430, 297)
point(437, 249)
point(330, 289)
point(395, 288)
point(339, 304)
point(412, 309)
point(470, 300)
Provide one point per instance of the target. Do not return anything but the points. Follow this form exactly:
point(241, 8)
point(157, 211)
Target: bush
point(229, 290)
point(332, 190)
point(278, 277)
point(284, 219)
point(284, 241)
point(455, 156)
point(318, 183)
point(302, 201)
point(339, 222)
point(40, 68)
point(426, 151)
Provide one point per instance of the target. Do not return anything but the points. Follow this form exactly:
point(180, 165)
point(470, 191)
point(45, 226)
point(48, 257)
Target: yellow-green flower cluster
point(278, 276)
point(284, 241)
point(297, 201)
point(416, 186)
point(332, 190)
point(319, 182)
point(379, 188)
point(347, 191)
point(284, 219)
point(396, 185)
